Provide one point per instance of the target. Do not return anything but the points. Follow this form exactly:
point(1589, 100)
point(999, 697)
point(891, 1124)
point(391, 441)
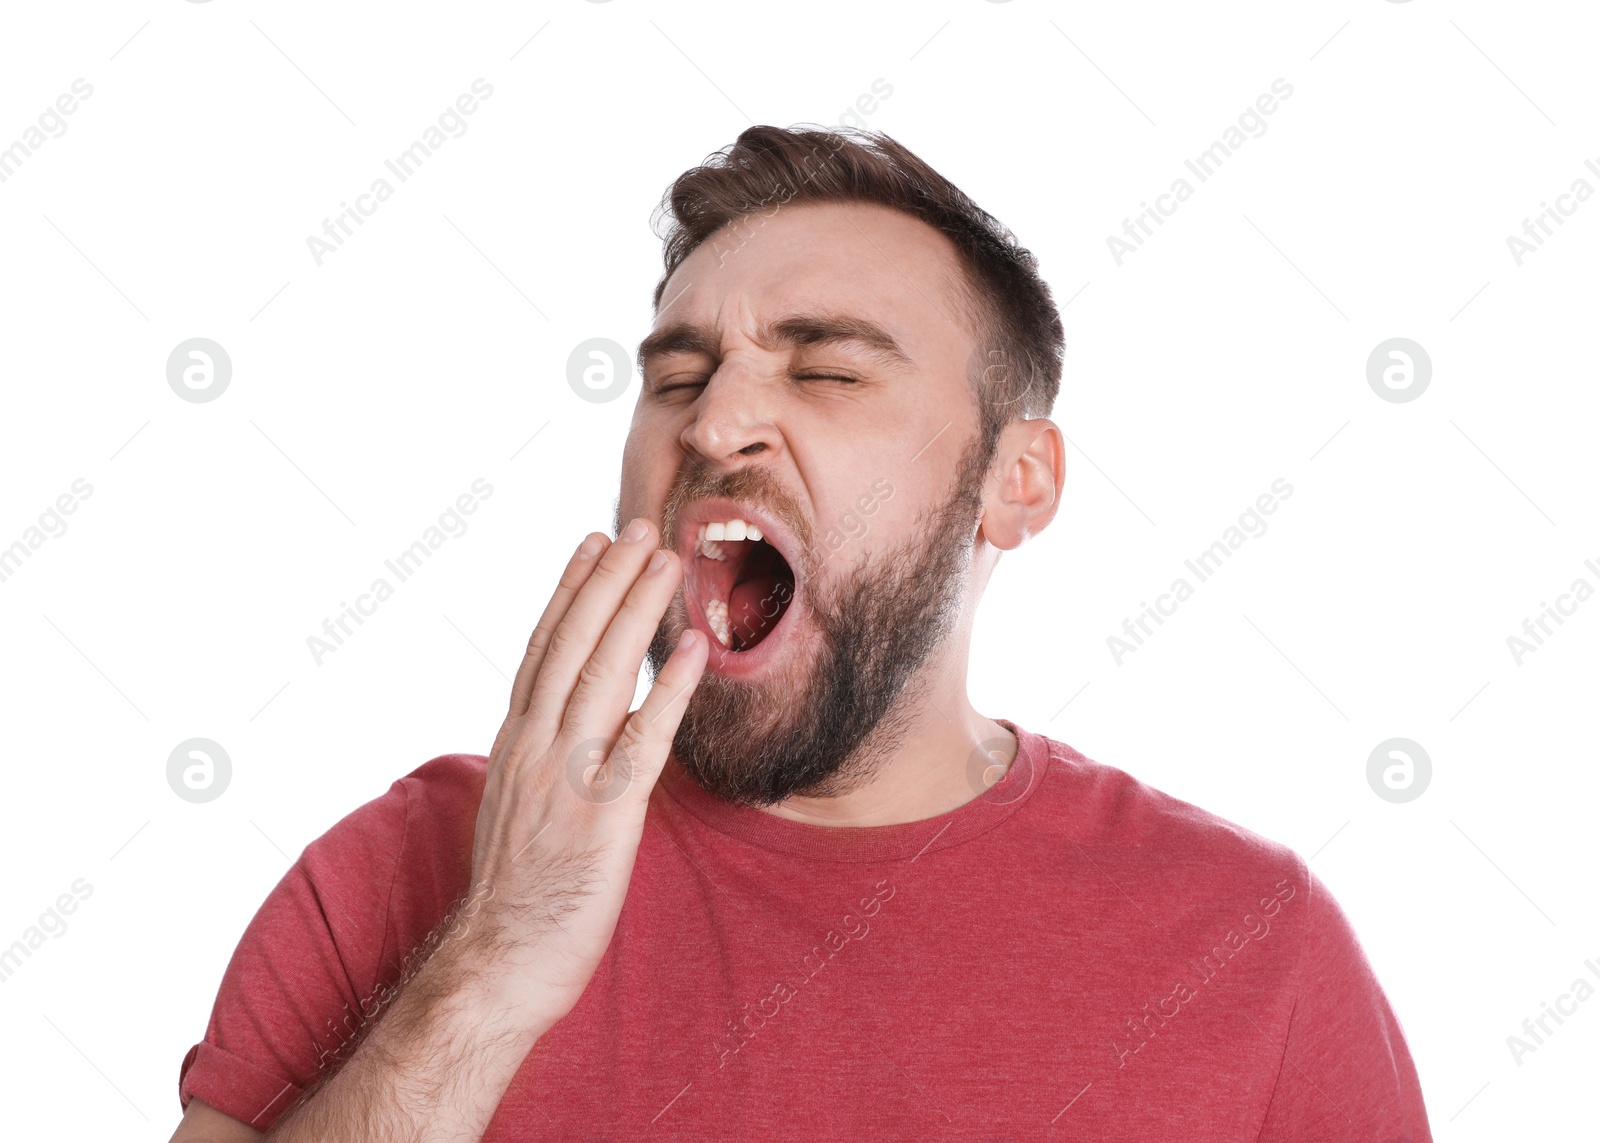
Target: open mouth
point(738, 580)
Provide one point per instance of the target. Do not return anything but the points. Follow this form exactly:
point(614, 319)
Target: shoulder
point(436, 797)
point(1244, 922)
point(399, 860)
point(447, 786)
point(1115, 817)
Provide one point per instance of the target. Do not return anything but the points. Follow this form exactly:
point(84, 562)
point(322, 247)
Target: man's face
point(807, 375)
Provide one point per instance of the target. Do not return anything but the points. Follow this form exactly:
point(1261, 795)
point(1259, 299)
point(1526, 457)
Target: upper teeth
point(735, 529)
point(708, 541)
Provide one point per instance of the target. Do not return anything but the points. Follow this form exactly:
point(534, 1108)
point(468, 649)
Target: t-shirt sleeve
point(294, 990)
point(1345, 1072)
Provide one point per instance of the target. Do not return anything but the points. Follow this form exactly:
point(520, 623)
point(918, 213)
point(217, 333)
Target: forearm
point(432, 1069)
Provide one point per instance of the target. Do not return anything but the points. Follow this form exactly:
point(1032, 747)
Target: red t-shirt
point(1072, 955)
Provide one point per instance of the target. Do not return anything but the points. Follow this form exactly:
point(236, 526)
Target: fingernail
point(590, 547)
point(636, 530)
point(658, 561)
point(689, 638)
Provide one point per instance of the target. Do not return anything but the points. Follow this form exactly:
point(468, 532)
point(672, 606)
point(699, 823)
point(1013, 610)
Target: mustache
point(754, 485)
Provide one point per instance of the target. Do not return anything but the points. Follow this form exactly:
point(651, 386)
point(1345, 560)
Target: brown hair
point(1015, 369)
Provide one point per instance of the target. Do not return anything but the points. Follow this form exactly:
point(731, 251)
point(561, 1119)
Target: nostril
point(753, 448)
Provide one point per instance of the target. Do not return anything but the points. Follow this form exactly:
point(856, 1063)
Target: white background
point(369, 392)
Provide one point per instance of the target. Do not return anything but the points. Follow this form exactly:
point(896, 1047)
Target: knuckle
point(598, 772)
point(629, 754)
point(573, 577)
point(596, 672)
point(582, 762)
point(547, 626)
point(606, 565)
point(523, 745)
point(538, 641)
point(645, 593)
point(619, 563)
point(537, 721)
point(563, 641)
point(577, 713)
point(645, 729)
point(627, 762)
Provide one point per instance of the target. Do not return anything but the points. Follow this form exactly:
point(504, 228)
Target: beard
point(821, 724)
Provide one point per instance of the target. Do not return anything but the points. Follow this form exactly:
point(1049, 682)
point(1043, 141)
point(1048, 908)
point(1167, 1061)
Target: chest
point(894, 1004)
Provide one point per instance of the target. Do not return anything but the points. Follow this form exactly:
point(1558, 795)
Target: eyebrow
point(803, 329)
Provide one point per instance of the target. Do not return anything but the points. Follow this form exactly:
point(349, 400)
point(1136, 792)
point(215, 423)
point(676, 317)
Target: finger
point(608, 678)
point(646, 740)
point(579, 568)
point(574, 639)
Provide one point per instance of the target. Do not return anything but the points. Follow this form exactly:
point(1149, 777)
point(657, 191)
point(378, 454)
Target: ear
point(1024, 487)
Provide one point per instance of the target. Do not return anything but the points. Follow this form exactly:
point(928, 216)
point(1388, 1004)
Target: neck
point(935, 765)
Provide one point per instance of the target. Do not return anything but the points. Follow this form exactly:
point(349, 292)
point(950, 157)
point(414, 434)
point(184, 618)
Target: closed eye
point(662, 389)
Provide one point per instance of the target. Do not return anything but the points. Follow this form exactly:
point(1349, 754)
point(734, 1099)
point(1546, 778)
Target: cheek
point(896, 518)
point(648, 470)
point(849, 542)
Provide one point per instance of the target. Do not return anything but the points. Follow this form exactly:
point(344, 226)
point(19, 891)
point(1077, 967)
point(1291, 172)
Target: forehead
point(849, 258)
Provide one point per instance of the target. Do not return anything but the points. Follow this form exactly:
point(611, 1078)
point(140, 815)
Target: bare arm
point(553, 853)
point(434, 1067)
point(202, 1123)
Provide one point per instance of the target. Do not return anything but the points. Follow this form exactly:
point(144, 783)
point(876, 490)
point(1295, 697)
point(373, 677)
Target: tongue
point(754, 608)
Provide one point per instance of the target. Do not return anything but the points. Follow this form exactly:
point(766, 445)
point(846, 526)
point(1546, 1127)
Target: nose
point(734, 418)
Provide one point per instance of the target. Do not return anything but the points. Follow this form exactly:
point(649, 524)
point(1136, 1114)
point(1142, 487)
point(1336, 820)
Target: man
point(806, 891)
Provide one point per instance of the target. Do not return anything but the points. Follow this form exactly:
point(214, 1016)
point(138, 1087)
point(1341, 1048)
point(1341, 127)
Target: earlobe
point(1030, 471)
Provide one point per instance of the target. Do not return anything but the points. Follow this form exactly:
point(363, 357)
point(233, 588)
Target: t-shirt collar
point(900, 841)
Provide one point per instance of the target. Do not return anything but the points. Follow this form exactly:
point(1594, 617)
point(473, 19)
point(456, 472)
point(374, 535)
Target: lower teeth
point(717, 617)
